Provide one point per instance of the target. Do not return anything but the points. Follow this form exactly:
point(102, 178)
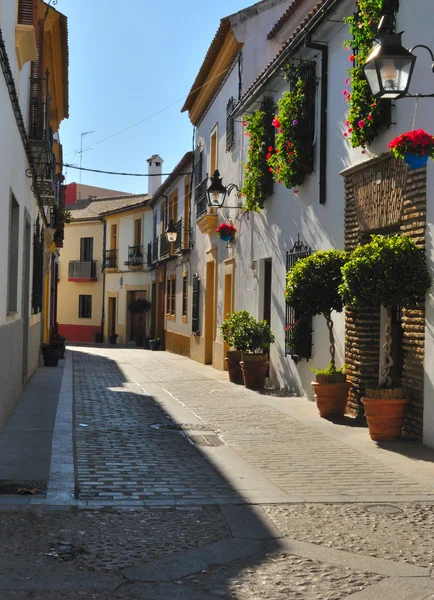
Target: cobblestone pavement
point(124, 451)
point(129, 458)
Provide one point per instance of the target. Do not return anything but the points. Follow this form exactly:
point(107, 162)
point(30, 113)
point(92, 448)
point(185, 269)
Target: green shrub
point(388, 271)
point(312, 287)
point(245, 333)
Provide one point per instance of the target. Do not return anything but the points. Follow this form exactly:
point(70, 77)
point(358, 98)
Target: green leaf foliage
point(312, 284)
point(364, 111)
point(139, 306)
point(245, 333)
point(388, 271)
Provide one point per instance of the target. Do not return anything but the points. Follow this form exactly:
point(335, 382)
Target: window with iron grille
point(85, 306)
point(14, 228)
point(298, 324)
point(38, 270)
point(230, 124)
point(86, 249)
point(173, 305)
point(195, 315)
point(184, 295)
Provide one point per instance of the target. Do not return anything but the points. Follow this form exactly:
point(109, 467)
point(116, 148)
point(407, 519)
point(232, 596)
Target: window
point(184, 296)
point(213, 151)
point(14, 227)
point(195, 320)
point(38, 269)
point(298, 325)
point(171, 296)
point(137, 232)
point(230, 124)
point(113, 237)
point(86, 249)
point(85, 307)
point(173, 206)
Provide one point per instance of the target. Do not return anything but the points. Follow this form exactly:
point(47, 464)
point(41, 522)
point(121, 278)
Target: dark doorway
point(153, 310)
point(26, 297)
point(112, 316)
point(137, 320)
point(267, 290)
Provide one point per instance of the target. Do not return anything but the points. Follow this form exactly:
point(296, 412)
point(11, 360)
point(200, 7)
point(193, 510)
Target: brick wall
point(382, 195)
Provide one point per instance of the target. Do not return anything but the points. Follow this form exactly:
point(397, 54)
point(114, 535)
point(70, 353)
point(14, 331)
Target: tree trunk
point(387, 347)
point(331, 338)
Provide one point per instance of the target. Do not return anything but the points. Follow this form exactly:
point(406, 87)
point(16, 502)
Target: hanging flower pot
point(226, 231)
point(415, 161)
point(415, 147)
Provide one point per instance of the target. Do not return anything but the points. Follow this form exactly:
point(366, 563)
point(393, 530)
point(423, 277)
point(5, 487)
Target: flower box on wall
point(208, 222)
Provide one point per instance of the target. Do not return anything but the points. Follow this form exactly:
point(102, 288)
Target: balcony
point(111, 259)
point(200, 198)
point(183, 238)
point(135, 256)
point(40, 134)
point(82, 270)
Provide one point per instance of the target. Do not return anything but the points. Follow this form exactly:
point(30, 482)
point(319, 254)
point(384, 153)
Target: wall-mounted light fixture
point(389, 67)
point(217, 192)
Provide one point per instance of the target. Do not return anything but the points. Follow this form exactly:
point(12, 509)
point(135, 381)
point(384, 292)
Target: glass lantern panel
point(372, 77)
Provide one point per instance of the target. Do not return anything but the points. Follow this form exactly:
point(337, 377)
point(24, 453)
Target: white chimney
point(155, 168)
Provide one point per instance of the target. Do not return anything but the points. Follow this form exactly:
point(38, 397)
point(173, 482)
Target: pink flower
point(350, 130)
point(295, 122)
point(270, 148)
point(347, 48)
point(369, 117)
point(361, 123)
point(345, 134)
point(351, 58)
point(268, 156)
point(295, 191)
point(275, 123)
point(244, 123)
point(363, 151)
point(347, 81)
point(247, 134)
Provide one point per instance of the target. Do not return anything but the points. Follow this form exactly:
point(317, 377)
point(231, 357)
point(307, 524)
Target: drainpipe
point(104, 243)
point(323, 48)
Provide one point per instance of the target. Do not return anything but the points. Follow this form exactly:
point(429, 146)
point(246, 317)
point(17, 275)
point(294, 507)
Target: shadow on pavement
point(130, 452)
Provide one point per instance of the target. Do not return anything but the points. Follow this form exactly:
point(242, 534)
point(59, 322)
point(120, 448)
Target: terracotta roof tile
point(285, 18)
point(300, 28)
point(97, 207)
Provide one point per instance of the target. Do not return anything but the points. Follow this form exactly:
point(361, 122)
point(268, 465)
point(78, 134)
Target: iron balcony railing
point(155, 245)
point(82, 270)
point(164, 246)
point(135, 256)
point(179, 235)
point(200, 198)
point(110, 259)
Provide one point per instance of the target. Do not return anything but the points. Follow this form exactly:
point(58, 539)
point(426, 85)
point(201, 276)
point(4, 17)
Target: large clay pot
point(234, 368)
point(331, 398)
point(385, 417)
point(255, 369)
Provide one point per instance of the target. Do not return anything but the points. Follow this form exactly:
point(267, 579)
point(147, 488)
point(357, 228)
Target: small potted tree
point(234, 321)
point(312, 287)
point(140, 306)
point(253, 339)
point(389, 271)
point(113, 338)
point(51, 354)
point(154, 344)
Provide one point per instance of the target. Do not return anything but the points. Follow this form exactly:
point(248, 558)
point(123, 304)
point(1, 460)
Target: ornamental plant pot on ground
point(385, 412)
point(139, 342)
point(234, 368)
point(254, 368)
point(51, 356)
point(331, 394)
point(98, 337)
point(154, 344)
point(146, 344)
point(113, 338)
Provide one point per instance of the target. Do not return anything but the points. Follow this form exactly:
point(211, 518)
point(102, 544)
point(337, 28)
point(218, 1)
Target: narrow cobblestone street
point(184, 486)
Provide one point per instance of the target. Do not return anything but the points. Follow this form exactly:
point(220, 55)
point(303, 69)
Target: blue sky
point(127, 61)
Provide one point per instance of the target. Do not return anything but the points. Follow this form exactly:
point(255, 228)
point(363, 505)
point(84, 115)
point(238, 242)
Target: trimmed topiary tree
point(388, 271)
point(312, 287)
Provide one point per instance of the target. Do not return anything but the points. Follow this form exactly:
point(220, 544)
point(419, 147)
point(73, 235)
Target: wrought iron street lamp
point(171, 232)
point(389, 67)
point(217, 192)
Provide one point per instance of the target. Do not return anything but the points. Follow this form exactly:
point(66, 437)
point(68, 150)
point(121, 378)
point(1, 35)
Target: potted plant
point(226, 231)
point(389, 271)
point(312, 287)
point(234, 321)
point(51, 355)
point(58, 341)
point(112, 338)
point(98, 337)
point(154, 344)
point(415, 147)
point(253, 339)
point(140, 306)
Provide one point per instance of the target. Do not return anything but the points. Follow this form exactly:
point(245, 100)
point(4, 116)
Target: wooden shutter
point(28, 12)
point(195, 318)
point(86, 249)
point(198, 156)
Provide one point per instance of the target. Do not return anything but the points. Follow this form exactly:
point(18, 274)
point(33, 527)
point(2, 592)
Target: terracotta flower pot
point(331, 398)
point(255, 369)
point(234, 368)
point(385, 417)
